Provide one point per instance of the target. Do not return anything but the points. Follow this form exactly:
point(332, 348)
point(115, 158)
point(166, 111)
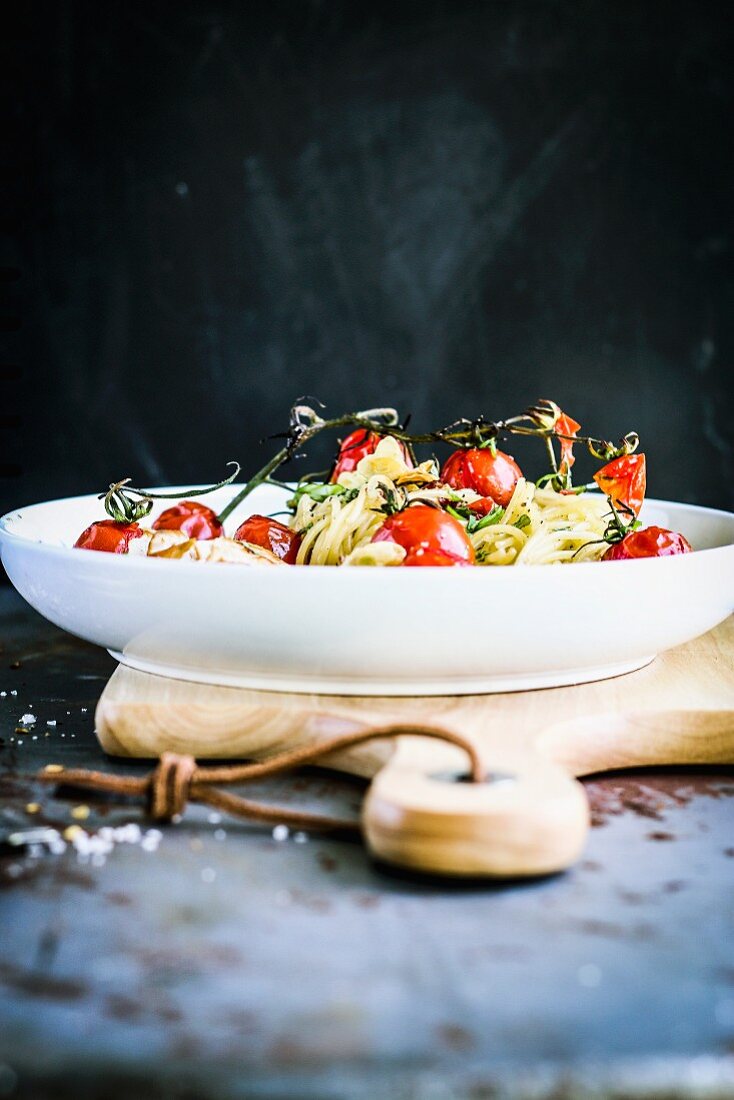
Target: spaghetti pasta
point(538, 526)
point(380, 506)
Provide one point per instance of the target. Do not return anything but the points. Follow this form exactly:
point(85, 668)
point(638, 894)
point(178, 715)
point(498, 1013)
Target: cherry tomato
point(195, 520)
point(262, 531)
point(109, 535)
point(648, 542)
point(491, 475)
point(354, 448)
point(482, 507)
point(568, 426)
point(624, 481)
point(428, 535)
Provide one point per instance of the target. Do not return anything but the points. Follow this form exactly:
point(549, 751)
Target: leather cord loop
point(178, 779)
point(170, 786)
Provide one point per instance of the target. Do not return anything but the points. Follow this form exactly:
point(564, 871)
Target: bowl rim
point(100, 560)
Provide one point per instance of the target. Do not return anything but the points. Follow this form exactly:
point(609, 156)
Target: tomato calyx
point(622, 523)
point(122, 506)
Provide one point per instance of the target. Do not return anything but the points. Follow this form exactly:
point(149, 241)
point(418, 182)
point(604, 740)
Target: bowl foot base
point(323, 685)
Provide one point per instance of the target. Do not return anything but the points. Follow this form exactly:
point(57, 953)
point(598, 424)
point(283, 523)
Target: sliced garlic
point(387, 459)
point(234, 552)
point(423, 474)
point(171, 544)
point(138, 547)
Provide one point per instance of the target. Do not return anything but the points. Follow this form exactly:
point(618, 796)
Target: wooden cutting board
point(529, 817)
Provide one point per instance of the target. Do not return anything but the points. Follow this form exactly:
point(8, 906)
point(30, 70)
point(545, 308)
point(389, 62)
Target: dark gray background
point(450, 207)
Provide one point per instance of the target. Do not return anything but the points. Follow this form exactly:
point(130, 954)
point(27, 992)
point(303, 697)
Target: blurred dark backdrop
point(451, 207)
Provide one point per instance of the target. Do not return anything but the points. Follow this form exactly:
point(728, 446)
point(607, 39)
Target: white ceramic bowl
point(371, 631)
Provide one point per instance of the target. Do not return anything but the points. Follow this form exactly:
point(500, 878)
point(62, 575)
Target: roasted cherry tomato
point(648, 542)
point(195, 520)
point(428, 535)
point(568, 426)
point(354, 448)
point(624, 480)
point(109, 535)
point(482, 507)
point(261, 531)
point(491, 475)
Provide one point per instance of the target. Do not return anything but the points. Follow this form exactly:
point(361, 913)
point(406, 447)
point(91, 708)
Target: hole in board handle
point(465, 777)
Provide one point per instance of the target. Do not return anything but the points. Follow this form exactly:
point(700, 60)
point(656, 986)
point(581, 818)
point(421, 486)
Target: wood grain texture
point(530, 817)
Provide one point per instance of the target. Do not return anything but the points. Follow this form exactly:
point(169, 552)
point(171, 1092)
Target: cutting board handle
point(637, 739)
point(529, 819)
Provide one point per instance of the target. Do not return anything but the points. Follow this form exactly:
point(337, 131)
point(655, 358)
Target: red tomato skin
point(482, 507)
point(262, 531)
point(195, 520)
point(567, 426)
point(109, 536)
point(428, 535)
point(648, 542)
point(624, 480)
point(434, 557)
point(491, 475)
point(354, 448)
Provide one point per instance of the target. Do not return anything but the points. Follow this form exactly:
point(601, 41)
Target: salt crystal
point(300, 838)
point(281, 832)
point(3, 694)
point(28, 719)
point(84, 710)
point(51, 722)
point(41, 835)
point(208, 874)
point(214, 818)
point(128, 834)
point(13, 692)
point(149, 844)
point(220, 834)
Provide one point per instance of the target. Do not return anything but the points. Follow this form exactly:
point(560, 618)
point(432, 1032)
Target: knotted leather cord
point(178, 779)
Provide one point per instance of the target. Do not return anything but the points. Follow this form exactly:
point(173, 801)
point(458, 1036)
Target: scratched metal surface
point(227, 964)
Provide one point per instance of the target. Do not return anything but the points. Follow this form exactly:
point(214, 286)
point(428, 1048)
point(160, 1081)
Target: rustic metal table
point(215, 960)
